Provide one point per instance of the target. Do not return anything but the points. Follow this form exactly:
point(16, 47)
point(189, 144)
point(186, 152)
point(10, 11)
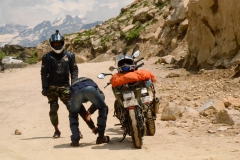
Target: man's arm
point(83, 114)
point(73, 68)
point(44, 71)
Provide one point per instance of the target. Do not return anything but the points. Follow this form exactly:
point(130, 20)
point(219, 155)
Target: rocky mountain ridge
point(10, 28)
point(31, 36)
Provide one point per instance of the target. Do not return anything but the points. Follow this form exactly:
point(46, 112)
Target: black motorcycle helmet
point(57, 42)
point(125, 63)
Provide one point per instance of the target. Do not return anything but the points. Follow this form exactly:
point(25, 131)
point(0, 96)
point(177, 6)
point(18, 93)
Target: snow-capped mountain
point(10, 28)
point(31, 36)
point(9, 31)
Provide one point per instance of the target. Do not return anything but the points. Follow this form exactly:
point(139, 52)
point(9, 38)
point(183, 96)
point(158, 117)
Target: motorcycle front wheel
point(135, 129)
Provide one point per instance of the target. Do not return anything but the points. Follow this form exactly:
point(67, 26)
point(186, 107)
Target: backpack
point(69, 55)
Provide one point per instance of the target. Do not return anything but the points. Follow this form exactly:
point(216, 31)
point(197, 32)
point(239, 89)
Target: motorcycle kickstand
point(124, 136)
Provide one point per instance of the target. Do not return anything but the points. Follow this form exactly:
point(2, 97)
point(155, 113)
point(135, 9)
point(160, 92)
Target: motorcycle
point(136, 105)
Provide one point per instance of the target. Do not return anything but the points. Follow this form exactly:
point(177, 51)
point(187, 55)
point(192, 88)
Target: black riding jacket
point(56, 68)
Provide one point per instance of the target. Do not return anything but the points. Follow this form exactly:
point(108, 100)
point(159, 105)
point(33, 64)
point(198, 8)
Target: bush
point(132, 34)
point(87, 33)
point(2, 54)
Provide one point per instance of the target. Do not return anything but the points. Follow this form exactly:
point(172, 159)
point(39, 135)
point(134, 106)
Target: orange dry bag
point(130, 77)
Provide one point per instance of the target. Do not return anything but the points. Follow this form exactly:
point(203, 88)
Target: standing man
point(57, 66)
point(84, 90)
point(1, 65)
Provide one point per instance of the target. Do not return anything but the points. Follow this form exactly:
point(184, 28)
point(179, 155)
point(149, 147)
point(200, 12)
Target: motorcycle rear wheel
point(150, 124)
point(135, 128)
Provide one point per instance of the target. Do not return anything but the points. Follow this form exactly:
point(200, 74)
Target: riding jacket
point(56, 68)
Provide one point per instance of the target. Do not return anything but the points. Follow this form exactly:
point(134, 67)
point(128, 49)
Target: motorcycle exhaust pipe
point(156, 103)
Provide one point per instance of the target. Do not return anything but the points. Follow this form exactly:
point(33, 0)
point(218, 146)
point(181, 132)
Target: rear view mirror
point(111, 68)
point(136, 54)
point(135, 48)
point(101, 76)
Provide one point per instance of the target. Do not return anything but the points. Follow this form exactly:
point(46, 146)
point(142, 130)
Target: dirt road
point(23, 107)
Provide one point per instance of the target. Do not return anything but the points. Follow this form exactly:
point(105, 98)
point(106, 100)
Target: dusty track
point(23, 107)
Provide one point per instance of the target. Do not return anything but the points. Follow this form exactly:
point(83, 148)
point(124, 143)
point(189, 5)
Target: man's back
point(81, 83)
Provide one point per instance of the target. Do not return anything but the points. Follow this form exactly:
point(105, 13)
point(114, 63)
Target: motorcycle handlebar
point(107, 84)
point(140, 65)
point(138, 60)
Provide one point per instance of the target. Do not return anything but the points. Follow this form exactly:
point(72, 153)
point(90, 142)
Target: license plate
point(146, 99)
point(129, 103)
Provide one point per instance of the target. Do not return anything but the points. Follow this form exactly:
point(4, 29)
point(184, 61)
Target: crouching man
point(83, 90)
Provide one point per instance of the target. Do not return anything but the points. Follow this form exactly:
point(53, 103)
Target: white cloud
point(32, 12)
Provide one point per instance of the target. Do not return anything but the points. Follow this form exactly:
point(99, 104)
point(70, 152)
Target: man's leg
point(64, 95)
point(53, 101)
point(75, 137)
point(76, 102)
point(54, 118)
point(96, 99)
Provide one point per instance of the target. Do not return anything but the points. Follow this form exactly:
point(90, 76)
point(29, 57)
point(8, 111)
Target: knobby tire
point(136, 131)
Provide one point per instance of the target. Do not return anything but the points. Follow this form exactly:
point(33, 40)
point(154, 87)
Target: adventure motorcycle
point(135, 106)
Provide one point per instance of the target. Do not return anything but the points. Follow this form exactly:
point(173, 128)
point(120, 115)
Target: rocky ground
point(186, 97)
point(198, 117)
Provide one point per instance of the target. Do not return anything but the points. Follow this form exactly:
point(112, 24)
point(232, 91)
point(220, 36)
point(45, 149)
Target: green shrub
point(87, 33)
point(145, 4)
point(2, 54)
point(158, 61)
point(105, 39)
point(154, 20)
point(133, 33)
point(33, 59)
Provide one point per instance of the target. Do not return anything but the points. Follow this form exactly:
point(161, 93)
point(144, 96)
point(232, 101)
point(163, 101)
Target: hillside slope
point(198, 33)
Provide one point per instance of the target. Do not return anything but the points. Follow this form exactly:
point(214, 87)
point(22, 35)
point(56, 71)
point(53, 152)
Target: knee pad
point(73, 118)
point(102, 119)
point(104, 109)
point(54, 107)
point(103, 112)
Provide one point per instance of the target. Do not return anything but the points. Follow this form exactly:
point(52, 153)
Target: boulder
point(171, 112)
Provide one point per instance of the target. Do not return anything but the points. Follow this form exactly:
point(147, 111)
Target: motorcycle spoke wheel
point(150, 124)
point(136, 131)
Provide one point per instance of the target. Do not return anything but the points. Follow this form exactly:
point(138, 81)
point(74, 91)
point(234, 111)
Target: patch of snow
point(6, 38)
point(57, 22)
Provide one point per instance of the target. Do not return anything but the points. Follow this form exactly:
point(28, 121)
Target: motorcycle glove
point(45, 92)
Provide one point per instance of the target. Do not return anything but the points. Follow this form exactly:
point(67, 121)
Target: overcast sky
point(32, 12)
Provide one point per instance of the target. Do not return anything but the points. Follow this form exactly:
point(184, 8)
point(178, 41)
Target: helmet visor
point(57, 45)
point(125, 68)
point(122, 60)
point(56, 37)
